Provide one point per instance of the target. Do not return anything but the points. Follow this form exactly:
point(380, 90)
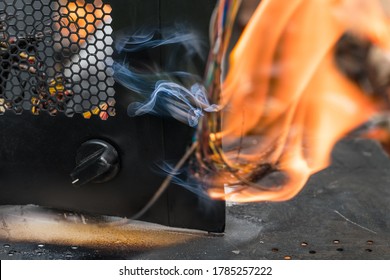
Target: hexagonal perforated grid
point(55, 57)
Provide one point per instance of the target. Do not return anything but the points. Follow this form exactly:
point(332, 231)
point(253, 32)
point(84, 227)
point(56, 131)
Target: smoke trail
point(170, 98)
point(182, 177)
point(178, 35)
point(176, 94)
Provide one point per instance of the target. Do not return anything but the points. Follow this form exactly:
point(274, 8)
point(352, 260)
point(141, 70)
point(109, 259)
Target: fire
point(285, 101)
point(80, 19)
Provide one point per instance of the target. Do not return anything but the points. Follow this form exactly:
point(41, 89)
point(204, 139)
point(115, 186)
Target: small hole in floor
point(369, 250)
point(275, 250)
point(370, 242)
point(312, 252)
point(340, 249)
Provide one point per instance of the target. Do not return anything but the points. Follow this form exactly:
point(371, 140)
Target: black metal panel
point(193, 16)
point(38, 151)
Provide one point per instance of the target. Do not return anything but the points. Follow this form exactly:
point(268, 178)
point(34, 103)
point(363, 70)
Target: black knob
point(96, 162)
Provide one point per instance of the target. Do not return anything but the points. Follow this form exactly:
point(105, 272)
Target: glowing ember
point(80, 19)
point(285, 101)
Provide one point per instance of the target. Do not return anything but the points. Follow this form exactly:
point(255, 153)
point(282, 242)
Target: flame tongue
point(286, 103)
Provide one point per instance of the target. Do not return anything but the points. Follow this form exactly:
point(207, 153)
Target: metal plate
point(38, 152)
point(56, 58)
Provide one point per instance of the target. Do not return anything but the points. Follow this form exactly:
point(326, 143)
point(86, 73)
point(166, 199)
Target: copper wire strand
point(220, 32)
point(213, 81)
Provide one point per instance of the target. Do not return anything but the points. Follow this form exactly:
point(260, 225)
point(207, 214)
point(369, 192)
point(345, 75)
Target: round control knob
point(96, 162)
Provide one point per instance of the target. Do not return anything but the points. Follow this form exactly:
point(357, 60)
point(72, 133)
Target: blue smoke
point(183, 178)
point(175, 94)
point(143, 40)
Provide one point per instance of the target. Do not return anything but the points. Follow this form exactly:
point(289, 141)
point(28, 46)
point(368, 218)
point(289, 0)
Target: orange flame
point(80, 19)
point(286, 103)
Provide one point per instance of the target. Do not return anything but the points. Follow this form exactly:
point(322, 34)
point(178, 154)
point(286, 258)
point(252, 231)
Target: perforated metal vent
point(55, 57)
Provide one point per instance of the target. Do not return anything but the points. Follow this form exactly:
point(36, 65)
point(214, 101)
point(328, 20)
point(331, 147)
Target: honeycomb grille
point(55, 58)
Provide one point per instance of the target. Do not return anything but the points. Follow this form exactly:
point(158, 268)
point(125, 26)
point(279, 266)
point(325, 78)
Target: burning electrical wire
point(284, 102)
point(221, 30)
point(169, 97)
